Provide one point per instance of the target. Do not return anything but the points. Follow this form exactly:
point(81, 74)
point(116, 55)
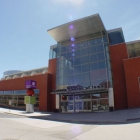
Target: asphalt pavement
point(115, 117)
point(15, 127)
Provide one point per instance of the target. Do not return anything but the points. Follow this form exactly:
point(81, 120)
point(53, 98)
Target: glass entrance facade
point(85, 62)
point(84, 103)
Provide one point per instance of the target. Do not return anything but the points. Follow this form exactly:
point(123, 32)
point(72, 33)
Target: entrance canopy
point(81, 27)
point(84, 91)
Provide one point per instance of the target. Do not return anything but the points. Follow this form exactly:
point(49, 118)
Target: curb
point(126, 121)
point(15, 114)
point(71, 121)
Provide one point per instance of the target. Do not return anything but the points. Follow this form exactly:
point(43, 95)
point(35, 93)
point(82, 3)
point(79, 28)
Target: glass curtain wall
point(84, 62)
point(133, 49)
point(52, 53)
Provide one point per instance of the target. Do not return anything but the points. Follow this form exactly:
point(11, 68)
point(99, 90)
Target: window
point(65, 80)
point(77, 61)
point(85, 76)
point(136, 45)
point(70, 79)
point(101, 65)
point(77, 69)
point(137, 52)
point(98, 40)
point(131, 53)
point(93, 57)
point(83, 44)
point(101, 56)
point(63, 49)
point(16, 92)
point(76, 53)
point(84, 51)
point(77, 78)
point(91, 42)
point(103, 74)
point(85, 68)
point(93, 66)
point(116, 37)
point(105, 39)
point(92, 49)
point(36, 91)
point(70, 71)
point(76, 46)
point(100, 48)
point(94, 75)
point(8, 92)
point(64, 55)
point(85, 84)
point(70, 54)
point(85, 59)
point(106, 47)
point(22, 91)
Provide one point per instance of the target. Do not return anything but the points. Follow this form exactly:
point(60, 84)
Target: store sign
point(78, 87)
point(30, 84)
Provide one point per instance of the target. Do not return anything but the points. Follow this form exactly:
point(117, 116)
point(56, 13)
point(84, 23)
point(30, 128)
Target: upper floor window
point(116, 37)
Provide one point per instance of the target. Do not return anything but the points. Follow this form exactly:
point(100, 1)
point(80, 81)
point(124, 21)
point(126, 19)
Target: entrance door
point(87, 106)
point(82, 106)
point(78, 106)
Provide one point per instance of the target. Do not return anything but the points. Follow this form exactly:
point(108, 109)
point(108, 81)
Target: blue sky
point(24, 41)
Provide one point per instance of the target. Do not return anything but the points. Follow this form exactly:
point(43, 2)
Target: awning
point(81, 27)
point(86, 91)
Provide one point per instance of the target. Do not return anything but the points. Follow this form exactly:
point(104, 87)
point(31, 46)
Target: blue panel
point(116, 37)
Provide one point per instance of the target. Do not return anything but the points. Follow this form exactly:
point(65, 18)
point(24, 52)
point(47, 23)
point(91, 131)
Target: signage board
point(30, 84)
point(29, 100)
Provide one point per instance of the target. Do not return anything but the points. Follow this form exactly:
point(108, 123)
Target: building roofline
point(73, 21)
point(80, 27)
point(24, 72)
point(131, 42)
point(113, 30)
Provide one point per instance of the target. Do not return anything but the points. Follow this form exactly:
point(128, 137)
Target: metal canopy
point(81, 27)
point(87, 91)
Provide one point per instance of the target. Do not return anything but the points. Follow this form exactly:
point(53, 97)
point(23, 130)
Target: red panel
point(132, 72)
point(117, 54)
point(52, 71)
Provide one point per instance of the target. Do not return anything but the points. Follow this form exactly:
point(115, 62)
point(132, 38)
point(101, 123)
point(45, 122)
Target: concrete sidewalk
point(115, 117)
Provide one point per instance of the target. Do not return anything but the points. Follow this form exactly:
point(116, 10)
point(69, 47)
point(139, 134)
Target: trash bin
point(111, 108)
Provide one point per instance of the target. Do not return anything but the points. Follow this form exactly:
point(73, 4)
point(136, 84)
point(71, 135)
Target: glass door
point(100, 105)
point(78, 106)
point(87, 106)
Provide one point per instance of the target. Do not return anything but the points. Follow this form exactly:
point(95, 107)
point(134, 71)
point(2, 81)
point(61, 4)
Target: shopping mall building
point(90, 69)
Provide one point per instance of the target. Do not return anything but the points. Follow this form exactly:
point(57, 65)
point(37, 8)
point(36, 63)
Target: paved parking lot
point(22, 128)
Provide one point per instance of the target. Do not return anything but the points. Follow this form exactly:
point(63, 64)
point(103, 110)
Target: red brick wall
point(132, 72)
point(42, 84)
point(117, 54)
point(52, 71)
